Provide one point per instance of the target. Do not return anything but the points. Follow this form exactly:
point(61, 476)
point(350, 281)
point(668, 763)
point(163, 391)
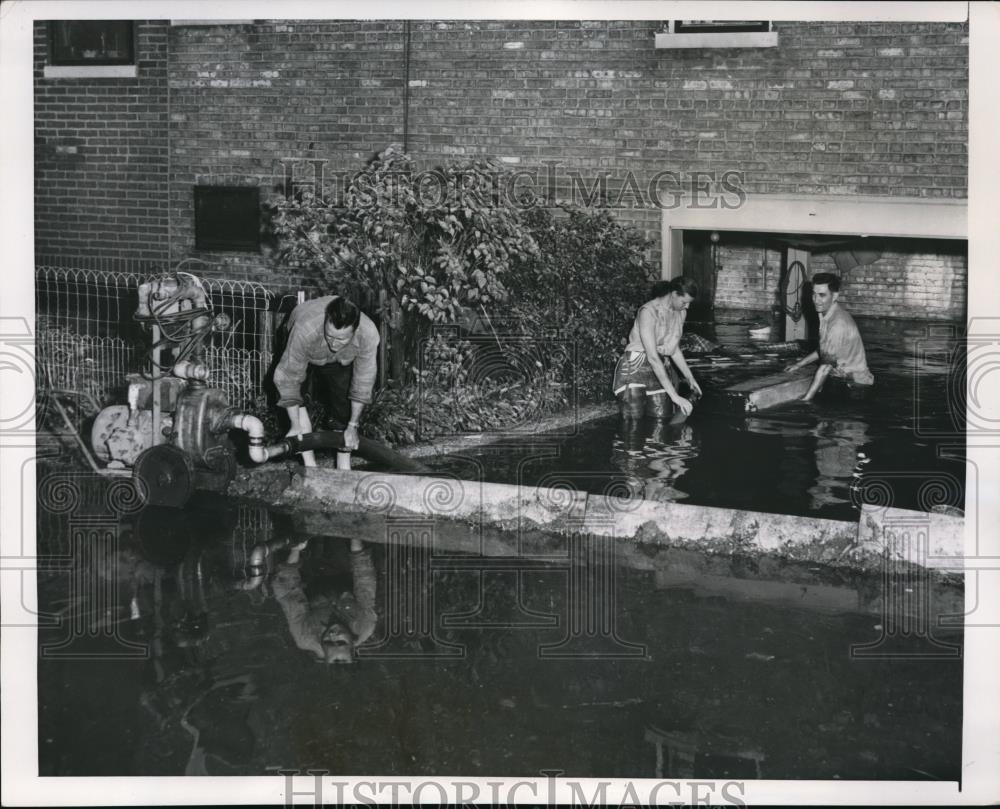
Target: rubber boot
point(632, 403)
point(659, 407)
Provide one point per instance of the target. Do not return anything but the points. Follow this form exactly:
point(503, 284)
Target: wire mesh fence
point(88, 340)
point(253, 527)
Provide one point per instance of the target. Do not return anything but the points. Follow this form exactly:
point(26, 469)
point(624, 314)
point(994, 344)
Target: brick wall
point(838, 108)
point(748, 276)
point(922, 279)
point(244, 97)
point(912, 278)
point(101, 159)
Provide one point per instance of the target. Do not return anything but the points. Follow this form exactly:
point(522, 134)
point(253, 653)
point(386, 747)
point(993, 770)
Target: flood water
point(903, 446)
point(154, 660)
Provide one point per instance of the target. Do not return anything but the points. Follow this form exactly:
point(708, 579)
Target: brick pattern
point(101, 157)
point(244, 97)
point(748, 276)
point(838, 108)
point(905, 283)
point(912, 278)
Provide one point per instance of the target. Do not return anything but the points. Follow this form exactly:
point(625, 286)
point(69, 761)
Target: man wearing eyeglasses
point(341, 343)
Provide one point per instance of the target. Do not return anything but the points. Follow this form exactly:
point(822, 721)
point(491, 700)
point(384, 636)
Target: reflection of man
point(838, 459)
point(329, 627)
point(333, 335)
point(841, 351)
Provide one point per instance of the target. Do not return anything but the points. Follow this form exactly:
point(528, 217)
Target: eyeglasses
point(337, 342)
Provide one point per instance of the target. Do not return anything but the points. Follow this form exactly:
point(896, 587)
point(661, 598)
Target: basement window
point(91, 49)
point(227, 218)
point(717, 34)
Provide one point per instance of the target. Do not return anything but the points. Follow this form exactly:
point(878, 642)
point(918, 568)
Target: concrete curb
point(931, 541)
point(928, 540)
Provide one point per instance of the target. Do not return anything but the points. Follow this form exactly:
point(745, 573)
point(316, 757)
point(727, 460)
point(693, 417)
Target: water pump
point(173, 432)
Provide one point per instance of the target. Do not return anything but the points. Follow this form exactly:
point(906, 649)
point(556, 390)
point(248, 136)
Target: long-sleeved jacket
point(307, 345)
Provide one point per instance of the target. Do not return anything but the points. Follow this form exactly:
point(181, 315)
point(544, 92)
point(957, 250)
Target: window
point(73, 43)
point(227, 218)
point(720, 26)
point(717, 34)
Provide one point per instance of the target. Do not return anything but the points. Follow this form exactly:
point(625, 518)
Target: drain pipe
point(334, 439)
point(321, 439)
point(254, 428)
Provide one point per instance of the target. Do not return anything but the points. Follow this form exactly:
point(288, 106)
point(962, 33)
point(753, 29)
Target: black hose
point(368, 449)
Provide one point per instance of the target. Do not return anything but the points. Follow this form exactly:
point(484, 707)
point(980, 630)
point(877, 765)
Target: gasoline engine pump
point(173, 433)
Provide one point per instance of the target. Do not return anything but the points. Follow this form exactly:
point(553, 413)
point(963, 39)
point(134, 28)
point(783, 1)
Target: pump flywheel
point(166, 475)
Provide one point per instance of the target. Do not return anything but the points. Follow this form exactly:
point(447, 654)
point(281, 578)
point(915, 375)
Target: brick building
point(838, 111)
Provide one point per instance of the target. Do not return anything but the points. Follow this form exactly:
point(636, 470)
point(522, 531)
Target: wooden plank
point(770, 391)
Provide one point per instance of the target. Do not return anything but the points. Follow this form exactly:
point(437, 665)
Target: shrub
point(451, 395)
point(418, 259)
point(411, 254)
point(588, 279)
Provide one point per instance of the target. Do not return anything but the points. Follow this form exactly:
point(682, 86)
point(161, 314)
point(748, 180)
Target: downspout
point(406, 86)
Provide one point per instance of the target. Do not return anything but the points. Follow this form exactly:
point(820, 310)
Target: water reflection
point(839, 460)
point(839, 447)
point(184, 559)
point(330, 622)
point(227, 689)
point(657, 452)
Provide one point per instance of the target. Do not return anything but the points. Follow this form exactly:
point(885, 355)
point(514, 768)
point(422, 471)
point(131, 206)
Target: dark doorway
point(699, 264)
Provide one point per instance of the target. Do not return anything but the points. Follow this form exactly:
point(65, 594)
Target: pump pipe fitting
point(254, 429)
point(257, 563)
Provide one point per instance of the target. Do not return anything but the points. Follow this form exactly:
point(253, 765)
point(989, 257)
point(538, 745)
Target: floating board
point(768, 391)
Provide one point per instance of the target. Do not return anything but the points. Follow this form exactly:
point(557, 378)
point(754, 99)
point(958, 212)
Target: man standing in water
point(841, 352)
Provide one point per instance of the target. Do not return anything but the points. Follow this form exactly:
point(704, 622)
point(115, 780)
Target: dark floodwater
point(161, 665)
point(903, 446)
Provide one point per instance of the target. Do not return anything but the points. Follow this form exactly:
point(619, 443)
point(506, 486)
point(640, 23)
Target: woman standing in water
point(645, 380)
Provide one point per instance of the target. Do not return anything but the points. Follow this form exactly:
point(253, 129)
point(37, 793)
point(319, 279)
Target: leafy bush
point(451, 395)
point(413, 248)
point(588, 279)
point(418, 257)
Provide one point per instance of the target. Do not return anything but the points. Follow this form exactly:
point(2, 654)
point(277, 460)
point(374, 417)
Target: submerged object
point(696, 344)
point(769, 391)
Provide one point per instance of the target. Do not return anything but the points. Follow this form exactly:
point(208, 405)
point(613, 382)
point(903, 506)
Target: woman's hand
point(793, 367)
point(685, 406)
point(695, 387)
